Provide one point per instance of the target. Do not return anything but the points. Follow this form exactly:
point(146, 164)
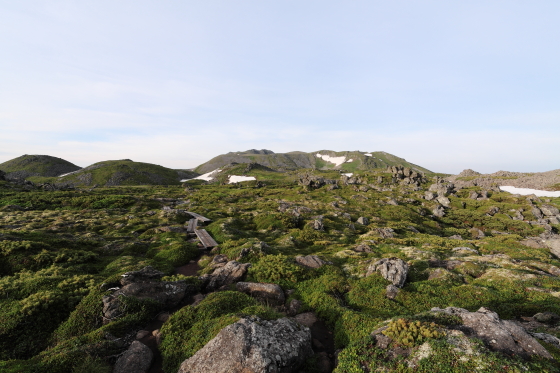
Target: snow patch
point(237, 179)
point(527, 191)
point(349, 174)
point(336, 160)
point(368, 154)
point(350, 160)
point(207, 176)
point(69, 173)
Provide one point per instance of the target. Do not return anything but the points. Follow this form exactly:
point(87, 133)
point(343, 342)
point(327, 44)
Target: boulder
point(385, 232)
point(439, 211)
point(429, 195)
point(306, 319)
point(310, 261)
point(230, 273)
point(269, 292)
point(464, 251)
point(444, 201)
point(253, 345)
point(362, 220)
point(499, 335)
point(363, 248)
point(392, 269)
point(549, 210)
point(137, 359)
point(537, 213)
point(318, 225)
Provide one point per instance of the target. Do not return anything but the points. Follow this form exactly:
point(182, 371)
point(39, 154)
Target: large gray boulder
point(230, 273)
point(137, 359)
point(310, 261)
point(499, 335)
point(270, 292)
point(392, 269)
point(253, 345)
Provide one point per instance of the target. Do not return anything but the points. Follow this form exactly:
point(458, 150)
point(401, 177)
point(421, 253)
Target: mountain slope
point(36, 165)
point(322, 160)
point(123, 172)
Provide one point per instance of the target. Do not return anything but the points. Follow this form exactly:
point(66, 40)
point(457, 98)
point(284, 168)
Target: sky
point(447, 85)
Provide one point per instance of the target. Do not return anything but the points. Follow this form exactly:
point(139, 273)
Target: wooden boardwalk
point(199, 217)
point(191, 226)
point(205, 238)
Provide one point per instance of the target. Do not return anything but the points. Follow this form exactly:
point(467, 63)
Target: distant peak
point(255, 151)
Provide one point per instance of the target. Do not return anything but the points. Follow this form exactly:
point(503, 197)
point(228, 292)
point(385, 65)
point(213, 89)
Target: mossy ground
point(58, 250)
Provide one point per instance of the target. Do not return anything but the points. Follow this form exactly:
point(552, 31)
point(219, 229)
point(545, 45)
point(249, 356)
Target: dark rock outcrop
point(252, 345)
point(137, 359)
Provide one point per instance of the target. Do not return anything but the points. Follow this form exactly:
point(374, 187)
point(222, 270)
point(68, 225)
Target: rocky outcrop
point(252, 345)
point(268, 292)
point(312, 181)
point(228, 274)
point(405, 175)
point(310, 261)
point(146, 274)
point(144, 284)
point(392, 269)
point(441, 187)
point(498, 335)
point(137, 359)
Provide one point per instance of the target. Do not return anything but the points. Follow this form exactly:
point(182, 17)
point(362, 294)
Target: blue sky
point(447, 85)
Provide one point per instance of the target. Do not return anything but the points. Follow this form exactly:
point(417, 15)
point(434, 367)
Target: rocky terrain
point(379, 270)
point(549, 180)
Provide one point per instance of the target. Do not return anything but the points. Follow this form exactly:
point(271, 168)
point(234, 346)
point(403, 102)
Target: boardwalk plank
point(191, 227)
point(205, 238)
point(199, 217)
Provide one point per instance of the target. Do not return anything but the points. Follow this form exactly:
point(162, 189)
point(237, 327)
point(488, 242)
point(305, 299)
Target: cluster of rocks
point(406, 176)
point(314, 182)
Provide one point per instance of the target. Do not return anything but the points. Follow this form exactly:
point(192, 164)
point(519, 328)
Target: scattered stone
point(163, 317)
point(477, 233)
point(142, 333)
point(455, 237)
point(385, 232)
point(363, 221)
point(268, 292)
point(549, 210)
point(318, 225)
point(499, 335)
point(537, 213)
point(306, 319)
point(137, 359)
point(392, 269)
point(293, 307)
point(253, 345)
point(310, 261)
point(547, 317)
point(230, 273)
point(392, 291)
point(493, 210)
point(439, 211)
point(445, 202)
point(363, 248)
point(550, 339)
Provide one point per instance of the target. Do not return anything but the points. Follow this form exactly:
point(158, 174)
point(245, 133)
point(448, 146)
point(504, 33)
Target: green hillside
point(352, 160)
point(122, 172)
point(36, 165)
